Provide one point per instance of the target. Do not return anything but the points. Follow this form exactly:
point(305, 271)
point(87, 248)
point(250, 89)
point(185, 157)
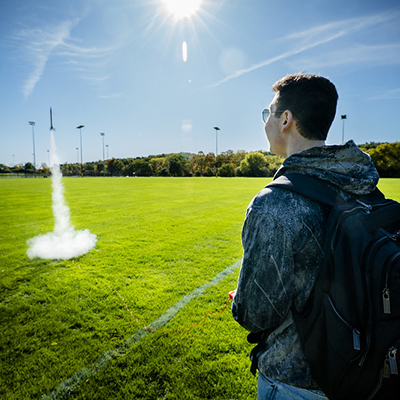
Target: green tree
point(99, 165)
point(159, 165)
point(197, 163)
point(386, 158)
point(89, 169)
point(18, 168)
point(209, 164)
point(220, 160)
point(273, 163)
point(28, 168)
point(4, 169)
point(238, 157)
point(254, 164)
point(75, 169)
point(176, 165)
point(115, 167)
point(128, 168)
point(44, 169)
point(142, 167)
point(226, 170)
point(369, 145)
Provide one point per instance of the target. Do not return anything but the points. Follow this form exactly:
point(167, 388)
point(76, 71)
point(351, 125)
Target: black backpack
point(350, 326)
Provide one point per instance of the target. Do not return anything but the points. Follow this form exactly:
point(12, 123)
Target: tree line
point(386, 157)
point(226, 164)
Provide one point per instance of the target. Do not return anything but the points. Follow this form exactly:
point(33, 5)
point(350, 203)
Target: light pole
point(343, 118)
point(80, 131)
point(34, 153)
point(77, 154)
point(104, 163)
point(107, 150)
point(216, 140)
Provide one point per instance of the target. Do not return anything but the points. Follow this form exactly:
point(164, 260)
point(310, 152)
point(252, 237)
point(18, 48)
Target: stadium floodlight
point(216, 140)
point(104, 162)
point(34, 153)
point(80, 131)
point(343, 118)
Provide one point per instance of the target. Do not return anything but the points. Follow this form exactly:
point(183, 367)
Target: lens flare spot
point(184, 52)
point(186, 125)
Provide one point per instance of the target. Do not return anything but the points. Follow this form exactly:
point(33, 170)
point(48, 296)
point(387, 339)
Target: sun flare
point(182, 8)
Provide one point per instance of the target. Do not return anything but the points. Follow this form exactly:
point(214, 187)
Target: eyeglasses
point(266, 113)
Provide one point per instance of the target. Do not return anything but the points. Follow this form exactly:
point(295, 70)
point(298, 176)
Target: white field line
point(68, 386)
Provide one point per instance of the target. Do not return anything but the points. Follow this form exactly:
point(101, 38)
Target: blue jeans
point(270, 389)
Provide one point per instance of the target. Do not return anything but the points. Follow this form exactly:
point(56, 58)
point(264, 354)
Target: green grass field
point(65, 330)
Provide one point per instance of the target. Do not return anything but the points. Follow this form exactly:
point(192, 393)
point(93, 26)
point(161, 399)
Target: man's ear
point(287, 120)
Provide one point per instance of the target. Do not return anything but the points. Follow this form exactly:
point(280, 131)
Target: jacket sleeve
point(266, 281)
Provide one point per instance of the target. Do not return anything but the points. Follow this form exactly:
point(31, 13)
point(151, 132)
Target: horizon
point(184, 153)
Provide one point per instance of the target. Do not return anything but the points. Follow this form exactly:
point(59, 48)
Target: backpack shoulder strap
point(308, 186)
point(318, 190)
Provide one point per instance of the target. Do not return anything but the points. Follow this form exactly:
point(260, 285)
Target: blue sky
point(117, 68)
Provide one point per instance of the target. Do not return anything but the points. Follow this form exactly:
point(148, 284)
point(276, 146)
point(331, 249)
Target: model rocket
point(51, 120)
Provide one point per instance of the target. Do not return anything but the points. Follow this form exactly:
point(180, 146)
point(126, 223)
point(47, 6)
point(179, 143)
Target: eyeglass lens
point(265, 114)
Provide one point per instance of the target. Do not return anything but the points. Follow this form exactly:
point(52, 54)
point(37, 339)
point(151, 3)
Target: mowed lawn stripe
point(70, 385)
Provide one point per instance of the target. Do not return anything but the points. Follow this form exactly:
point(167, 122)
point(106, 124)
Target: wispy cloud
point(111, 96)
point(341, 28)
point(74, 51)
point(368, 55)
point(314, 37)
point(387, 95)
point(96, 78)
point(38, 45)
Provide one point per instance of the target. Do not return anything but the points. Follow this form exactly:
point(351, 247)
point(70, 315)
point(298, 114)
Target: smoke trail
point(64, 242)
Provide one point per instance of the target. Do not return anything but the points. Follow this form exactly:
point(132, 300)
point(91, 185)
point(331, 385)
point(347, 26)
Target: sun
point(182, 8)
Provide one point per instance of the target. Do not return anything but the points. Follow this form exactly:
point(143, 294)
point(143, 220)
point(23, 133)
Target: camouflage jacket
point(283, 236)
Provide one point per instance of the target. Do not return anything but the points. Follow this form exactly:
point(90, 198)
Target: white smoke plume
point(64, 242)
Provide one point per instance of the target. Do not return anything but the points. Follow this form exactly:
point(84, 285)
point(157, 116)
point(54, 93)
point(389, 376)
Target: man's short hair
point(312, 99)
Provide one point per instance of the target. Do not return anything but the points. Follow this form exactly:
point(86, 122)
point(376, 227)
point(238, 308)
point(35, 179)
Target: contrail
point(340, 28)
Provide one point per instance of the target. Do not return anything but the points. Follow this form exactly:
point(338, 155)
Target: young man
point(283, 233)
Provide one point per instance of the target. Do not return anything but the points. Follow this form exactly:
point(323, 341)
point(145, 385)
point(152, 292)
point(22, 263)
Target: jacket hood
point(344, 166)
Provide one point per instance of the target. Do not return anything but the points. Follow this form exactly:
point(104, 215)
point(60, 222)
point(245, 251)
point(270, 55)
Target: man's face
point(273, 129)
